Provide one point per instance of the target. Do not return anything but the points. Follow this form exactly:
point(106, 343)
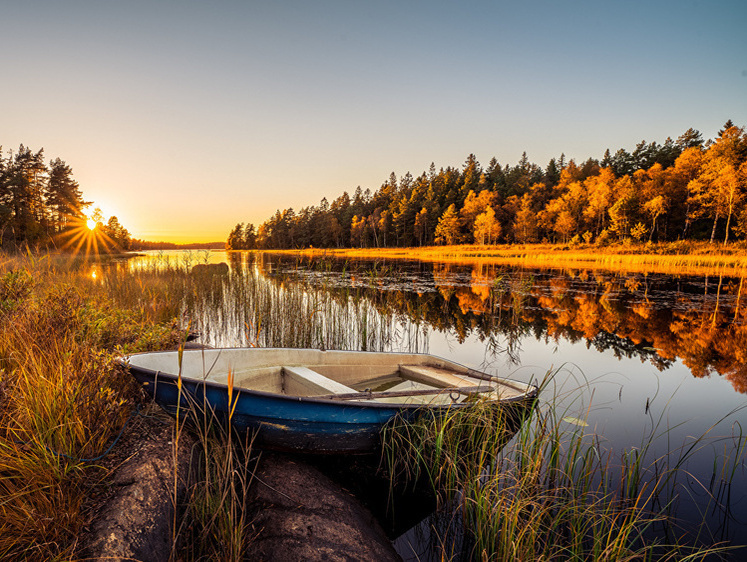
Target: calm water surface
point(634, 355)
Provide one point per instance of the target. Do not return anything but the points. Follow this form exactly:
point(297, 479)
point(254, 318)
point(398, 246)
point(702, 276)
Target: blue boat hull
point(278, 422)
point(289, 423)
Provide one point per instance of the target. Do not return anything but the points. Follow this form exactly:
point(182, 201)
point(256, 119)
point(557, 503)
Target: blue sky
point(184, 118)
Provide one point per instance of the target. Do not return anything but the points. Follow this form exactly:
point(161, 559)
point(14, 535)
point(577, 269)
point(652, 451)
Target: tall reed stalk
point(216, 524)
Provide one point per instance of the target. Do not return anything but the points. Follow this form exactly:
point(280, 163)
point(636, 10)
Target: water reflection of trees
point(655, 318)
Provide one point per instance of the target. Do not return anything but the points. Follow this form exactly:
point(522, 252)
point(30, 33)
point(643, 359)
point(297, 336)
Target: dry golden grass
point(62, 400)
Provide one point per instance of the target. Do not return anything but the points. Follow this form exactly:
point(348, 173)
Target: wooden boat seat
point(444, 378)
point(302, 381)
point(435, 376)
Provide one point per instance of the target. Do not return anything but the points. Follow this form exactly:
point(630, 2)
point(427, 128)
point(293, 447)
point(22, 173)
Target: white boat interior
point(331, 374)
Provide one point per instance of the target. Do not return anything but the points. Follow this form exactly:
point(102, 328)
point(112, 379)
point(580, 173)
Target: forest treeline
point(42, 206)
point(686, 188)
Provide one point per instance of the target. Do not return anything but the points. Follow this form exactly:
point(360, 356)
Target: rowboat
point(315, 401)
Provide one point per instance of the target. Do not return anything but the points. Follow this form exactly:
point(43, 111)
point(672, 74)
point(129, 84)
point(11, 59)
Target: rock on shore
point(299, 513)
point(303, 515)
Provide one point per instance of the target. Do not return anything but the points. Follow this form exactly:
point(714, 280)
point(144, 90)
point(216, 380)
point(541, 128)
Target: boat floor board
point(305, 382)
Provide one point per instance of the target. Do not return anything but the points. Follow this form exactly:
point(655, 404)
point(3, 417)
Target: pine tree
point(606, 159)
point(26, 179)
point(728, 125)
point(552, 173)
point(63, 196)
point(447, 230)
point(235, 238)
point(117, 234)
point(689, 139)
point(250, 237)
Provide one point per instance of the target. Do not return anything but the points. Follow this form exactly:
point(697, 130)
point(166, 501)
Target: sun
point(86, 235)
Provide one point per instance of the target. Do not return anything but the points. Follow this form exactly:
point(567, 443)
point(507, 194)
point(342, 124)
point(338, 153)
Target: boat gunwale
point(530, 393)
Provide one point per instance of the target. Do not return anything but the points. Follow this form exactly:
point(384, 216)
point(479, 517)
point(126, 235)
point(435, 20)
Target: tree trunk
point(713, 230)
point(728, 222)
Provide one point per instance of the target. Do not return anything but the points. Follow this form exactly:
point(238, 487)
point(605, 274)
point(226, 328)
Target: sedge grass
point(216, 524)
point(551, 494)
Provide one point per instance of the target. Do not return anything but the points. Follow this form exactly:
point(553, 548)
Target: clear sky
point(185, 118)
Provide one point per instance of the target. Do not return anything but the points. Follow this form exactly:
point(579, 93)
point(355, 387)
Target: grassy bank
point(676, 258)
point(62, 399)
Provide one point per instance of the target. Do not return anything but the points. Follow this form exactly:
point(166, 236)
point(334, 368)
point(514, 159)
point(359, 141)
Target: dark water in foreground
point(636, 355)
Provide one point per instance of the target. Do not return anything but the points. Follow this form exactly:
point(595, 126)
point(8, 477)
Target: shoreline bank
point(684, 259)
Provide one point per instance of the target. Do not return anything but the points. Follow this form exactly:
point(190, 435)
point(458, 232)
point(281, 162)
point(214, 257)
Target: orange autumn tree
point(474, 206)
point(487, 228)
point(719, 188)
point(447, 229)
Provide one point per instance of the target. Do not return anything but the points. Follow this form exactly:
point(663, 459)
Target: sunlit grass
point(62, 400)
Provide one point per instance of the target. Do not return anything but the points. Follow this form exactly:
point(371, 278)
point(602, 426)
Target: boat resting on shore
point(314, 401)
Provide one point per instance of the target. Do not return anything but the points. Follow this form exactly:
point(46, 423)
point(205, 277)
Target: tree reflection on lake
point(658, 318)
point(660, 360)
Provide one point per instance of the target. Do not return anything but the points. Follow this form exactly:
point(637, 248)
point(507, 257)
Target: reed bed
point(246, 307)
point(552, 493)
point(676, 258)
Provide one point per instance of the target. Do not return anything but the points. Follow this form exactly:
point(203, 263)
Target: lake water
point(634, 355)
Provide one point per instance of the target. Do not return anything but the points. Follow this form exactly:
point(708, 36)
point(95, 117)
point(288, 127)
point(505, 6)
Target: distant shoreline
point(142, 245)
point(672, 258)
